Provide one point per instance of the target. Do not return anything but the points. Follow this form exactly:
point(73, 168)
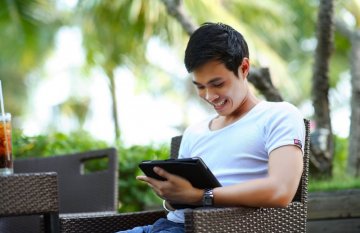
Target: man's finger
point(151, 181)
point(161, 172)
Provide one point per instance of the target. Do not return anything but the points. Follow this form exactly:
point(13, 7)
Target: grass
point(335, 183)
point(340, 179)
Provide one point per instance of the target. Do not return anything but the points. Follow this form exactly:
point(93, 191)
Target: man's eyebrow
point(214, 80)
point(210, 82)
point(196, 83)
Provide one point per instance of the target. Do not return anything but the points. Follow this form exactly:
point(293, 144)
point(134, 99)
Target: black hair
point(215, 42)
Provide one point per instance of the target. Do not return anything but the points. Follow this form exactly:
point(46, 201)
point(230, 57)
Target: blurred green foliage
point(340, 156)
point(136, 195)
point(53, 144)
point(27, 32)
point(133, 194)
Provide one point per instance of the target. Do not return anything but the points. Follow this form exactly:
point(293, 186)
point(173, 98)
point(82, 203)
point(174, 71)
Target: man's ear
point(244, 68)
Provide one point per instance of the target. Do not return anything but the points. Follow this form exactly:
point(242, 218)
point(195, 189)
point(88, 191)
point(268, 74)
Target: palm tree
point(27, 29)
point(323, 155)
point(116, 33)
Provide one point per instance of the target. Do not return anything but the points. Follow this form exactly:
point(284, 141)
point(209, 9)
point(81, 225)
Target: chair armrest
point(246, 219)
point(107, 222)
point(216, 219)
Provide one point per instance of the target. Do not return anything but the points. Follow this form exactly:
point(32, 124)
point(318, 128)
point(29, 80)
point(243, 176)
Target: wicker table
point(31, 194)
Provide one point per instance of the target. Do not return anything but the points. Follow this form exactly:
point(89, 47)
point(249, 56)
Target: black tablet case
point(192, 169)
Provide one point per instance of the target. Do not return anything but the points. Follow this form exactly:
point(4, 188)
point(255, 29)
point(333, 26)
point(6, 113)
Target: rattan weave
point(108, 223)
point(79, 190)
point(28, 193)
point(289, 219)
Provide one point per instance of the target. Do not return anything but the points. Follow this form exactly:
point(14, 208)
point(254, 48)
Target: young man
point(253, 147)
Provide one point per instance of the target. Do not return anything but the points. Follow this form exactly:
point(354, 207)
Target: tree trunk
point(175, 9)
point(112, 86)
point(261, 79)
point(322, 139)
point(354, 145)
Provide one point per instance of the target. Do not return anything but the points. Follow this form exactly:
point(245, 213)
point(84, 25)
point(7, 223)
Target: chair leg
point(51, 223)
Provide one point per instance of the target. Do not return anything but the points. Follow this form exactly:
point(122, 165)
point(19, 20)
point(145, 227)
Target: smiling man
point(253, 147)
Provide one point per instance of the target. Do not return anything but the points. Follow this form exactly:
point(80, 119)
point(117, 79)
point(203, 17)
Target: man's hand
point(174, 189)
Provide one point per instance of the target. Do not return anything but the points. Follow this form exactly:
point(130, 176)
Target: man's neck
point(222, 121)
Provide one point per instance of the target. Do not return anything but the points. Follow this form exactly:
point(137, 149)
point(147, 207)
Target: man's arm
point(275, 190)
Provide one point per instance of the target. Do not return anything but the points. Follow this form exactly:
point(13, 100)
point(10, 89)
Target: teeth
point(219, 104)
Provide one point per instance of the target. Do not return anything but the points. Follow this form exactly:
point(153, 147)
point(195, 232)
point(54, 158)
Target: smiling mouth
point(219, 105)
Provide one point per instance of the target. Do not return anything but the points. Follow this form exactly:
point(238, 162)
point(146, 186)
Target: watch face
point(208, 201)
point(208, 198)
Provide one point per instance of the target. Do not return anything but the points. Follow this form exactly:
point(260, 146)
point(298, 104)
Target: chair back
point(79, 191)
point(302, 191)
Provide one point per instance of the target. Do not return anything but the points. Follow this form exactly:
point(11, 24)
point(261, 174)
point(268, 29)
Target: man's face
point(220, 87)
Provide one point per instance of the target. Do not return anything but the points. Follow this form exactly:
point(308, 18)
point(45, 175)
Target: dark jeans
point(160, 226)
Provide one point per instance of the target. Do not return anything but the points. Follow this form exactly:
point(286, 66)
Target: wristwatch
point(208, 198)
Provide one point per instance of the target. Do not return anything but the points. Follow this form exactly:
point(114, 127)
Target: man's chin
point(221, 113)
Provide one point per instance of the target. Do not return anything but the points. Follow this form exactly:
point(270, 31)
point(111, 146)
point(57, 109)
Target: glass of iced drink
point(6, 162)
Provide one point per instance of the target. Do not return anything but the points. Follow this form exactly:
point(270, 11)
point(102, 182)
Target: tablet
point(193, 169)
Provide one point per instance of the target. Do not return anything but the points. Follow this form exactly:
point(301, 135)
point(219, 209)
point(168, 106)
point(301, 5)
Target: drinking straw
point(2, 102)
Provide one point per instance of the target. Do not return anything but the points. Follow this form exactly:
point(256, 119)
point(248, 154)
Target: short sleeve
point(286, 127)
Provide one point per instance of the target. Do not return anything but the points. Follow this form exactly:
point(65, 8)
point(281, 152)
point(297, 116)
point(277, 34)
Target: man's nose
point(209, 96)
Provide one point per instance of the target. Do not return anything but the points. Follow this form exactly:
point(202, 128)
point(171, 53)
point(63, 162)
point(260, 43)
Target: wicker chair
point(80, 191)
point(30, 194)
point(236, 219)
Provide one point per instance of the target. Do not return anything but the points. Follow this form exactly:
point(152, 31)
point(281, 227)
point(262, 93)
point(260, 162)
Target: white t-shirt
point(240, 151)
